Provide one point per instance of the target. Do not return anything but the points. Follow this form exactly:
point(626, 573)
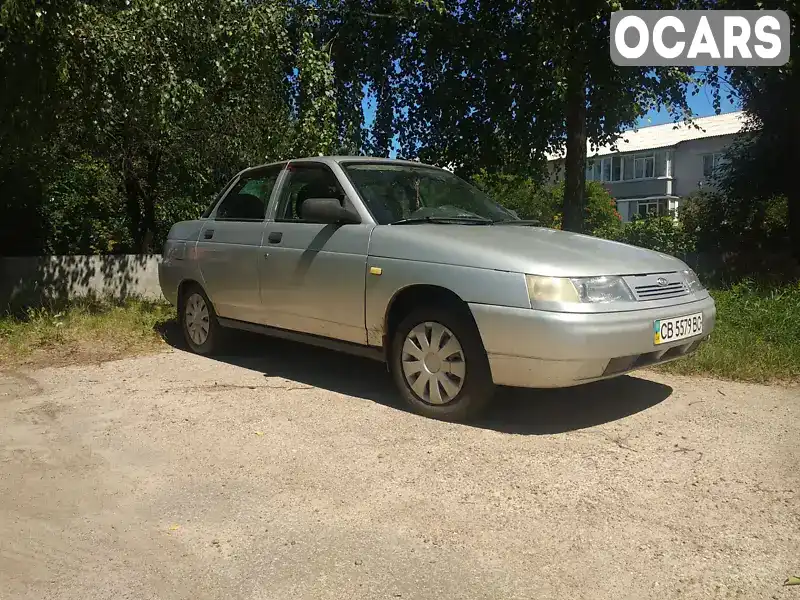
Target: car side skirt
point(371, 352)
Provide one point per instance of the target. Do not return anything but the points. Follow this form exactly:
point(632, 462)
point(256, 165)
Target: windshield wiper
point(531, 222)
point(444, 221)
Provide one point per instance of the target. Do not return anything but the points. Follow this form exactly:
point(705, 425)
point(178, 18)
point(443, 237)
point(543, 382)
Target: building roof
point(670, 134)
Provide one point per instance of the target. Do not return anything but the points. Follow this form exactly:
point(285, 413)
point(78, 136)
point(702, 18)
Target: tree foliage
point(543, 203)
point(168, 98)
point(762, 165)
point(127, 115)
point(662, 234)
point(498, 85)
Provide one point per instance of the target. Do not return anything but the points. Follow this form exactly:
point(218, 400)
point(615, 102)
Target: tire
point(196, 311)
point(454, 397)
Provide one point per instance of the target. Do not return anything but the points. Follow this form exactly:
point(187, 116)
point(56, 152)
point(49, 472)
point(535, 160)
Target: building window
point(616, 168)
point(644, 167)
point(661, 163)
point(652, 208)
point(627, 168)
point(711, 163)
point(593, 170)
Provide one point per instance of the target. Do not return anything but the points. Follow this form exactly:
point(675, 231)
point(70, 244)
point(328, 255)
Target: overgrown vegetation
point(662, 234)
point(724, 239)
point(83, 331)
point(543, 203)
point(755, 339)
point(129, 115)
point(737, 239)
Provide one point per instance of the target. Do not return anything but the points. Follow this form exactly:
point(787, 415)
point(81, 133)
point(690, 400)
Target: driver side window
point(304, 182)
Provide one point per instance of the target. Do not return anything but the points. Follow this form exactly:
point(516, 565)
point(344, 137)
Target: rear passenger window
point(248, 199)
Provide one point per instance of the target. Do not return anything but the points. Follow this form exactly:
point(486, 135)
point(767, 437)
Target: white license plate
point(678, 328)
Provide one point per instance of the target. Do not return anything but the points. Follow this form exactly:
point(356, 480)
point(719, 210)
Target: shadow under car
point(514, 410)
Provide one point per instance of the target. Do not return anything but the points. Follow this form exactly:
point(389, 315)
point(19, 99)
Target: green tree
point(597, 98)
point(521, 194)
point(166, 97)
point(171, 89)
point(543, 203)
point(662, 234)
point(762, 165)
point(497, 85)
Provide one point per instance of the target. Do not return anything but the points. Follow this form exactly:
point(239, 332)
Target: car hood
point(517, 248)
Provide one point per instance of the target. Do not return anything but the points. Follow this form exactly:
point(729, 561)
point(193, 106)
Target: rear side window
point(207, 212)
point(249, 197)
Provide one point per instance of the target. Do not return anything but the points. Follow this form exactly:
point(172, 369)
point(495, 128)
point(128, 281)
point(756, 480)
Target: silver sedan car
point(408, 264)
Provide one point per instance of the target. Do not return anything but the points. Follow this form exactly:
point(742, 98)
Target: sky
point(701, 106)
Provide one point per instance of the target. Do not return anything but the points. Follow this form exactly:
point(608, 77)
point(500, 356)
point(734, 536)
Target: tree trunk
point(140, 202)
point(133, 192)
point(575, 161)
point(148, 202)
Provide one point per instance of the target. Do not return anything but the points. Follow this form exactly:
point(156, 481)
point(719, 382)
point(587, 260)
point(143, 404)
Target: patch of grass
point(756, 338)
point(85, 330)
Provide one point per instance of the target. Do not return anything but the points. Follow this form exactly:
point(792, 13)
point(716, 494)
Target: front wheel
point(200, 327)
point(440, 366)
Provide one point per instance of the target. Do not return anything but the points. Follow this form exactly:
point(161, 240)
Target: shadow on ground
point(520, 411)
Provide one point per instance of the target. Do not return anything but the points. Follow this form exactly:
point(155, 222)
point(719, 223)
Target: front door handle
point(275, 237)
point(208, 234)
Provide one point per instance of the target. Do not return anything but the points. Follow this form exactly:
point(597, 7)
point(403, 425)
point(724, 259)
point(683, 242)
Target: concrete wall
point(34, 280)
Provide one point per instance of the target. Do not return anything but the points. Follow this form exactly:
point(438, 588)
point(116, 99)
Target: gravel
point(288, 472)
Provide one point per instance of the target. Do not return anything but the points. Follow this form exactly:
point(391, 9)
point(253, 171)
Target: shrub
point(737, 239)
point(521, 194)
point(601, 210)
point(755, 338)
point(661, 234)
point(543, 203)
point(84, 210)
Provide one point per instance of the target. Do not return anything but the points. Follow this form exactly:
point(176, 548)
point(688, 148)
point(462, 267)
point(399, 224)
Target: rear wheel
point(200, 327)
point(440, 366)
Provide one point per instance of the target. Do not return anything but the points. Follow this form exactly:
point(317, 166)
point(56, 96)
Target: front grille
point(657, 287)
point(656, 292)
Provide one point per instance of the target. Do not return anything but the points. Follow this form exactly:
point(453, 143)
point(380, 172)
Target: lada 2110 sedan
point(409, 264)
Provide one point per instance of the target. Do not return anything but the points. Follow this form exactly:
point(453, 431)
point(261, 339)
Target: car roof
point(342, 159)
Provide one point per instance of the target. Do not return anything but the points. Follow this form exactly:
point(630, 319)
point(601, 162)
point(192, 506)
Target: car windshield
point(408, 193)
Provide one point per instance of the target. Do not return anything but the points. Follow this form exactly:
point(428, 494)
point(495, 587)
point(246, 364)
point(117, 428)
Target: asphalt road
point(290, 473)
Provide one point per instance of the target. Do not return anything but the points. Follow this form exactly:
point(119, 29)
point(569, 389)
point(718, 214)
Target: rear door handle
point(208, 234)
point(275, 237)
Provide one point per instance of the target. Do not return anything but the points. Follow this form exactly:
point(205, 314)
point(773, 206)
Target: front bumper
point(535, 348)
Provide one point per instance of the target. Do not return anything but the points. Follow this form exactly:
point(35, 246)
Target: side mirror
point(327, 210)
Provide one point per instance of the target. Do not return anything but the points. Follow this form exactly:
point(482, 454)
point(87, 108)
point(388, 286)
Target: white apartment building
point(652, 168)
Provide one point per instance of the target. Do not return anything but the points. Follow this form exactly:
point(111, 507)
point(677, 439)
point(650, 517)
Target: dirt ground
point(287, 472)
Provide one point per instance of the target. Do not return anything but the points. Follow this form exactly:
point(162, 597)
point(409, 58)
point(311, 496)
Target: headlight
point(692, 281)
point(578, 289)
